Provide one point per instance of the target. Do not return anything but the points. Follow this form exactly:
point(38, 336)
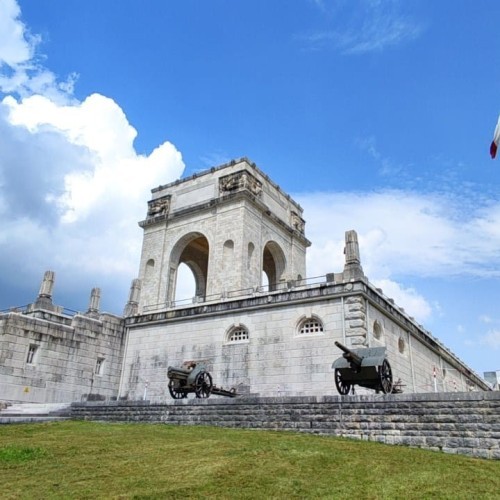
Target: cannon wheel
point(203, 385)
point(175, 392)
point(342, 386)
point(385, 377)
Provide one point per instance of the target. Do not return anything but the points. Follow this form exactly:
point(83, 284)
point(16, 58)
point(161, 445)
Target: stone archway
point(273, 264)
point(193, 251)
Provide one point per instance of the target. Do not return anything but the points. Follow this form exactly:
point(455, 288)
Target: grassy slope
point(92, 460)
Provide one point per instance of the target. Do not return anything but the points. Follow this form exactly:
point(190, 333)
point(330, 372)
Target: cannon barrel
point(353, 359)
point(177, 373)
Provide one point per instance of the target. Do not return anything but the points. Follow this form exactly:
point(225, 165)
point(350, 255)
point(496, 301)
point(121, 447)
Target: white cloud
point(491, 339)
point(364, 26)
point(72, 186)
point(21, 72)
point(100, 126)
point(406, 233)
point(95, 189)
point(15, 48)
point(414, 303)
point(402, 234)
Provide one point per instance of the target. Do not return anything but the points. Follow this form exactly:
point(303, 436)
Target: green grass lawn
point(96, 460)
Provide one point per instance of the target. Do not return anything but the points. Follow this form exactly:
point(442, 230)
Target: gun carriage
point(193, 377)
point(366, 367)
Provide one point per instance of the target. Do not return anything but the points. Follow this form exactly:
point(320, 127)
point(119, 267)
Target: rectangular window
point(30, 359)
point(99, 365)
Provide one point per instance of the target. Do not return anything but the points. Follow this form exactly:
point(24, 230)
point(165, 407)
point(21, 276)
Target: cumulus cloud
point(363, 26)
point(72, 186)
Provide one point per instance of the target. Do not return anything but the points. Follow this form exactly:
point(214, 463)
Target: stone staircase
point(18, 413)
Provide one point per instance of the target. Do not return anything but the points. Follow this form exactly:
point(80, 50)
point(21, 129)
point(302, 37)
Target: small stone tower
point(228, 225)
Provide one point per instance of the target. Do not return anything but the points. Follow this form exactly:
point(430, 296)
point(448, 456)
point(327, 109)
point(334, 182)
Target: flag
point(496, 140)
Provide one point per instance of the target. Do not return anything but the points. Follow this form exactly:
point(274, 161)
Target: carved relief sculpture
point(240, 181)
point(297, 222)
point(158, 207)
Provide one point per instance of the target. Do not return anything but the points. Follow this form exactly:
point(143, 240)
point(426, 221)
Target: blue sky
point(375, 115)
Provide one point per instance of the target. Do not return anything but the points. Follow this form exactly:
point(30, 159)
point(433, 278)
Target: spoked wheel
point(203, 385)
point(385, 377)
point(342, 386)
point(175, 392)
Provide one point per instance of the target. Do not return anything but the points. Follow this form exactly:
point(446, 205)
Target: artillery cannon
point(193, 377)
point(366, 367)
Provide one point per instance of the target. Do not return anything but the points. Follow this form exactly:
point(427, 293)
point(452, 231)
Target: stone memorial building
point(230, 226)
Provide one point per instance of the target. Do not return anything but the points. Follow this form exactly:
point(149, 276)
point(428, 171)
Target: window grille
point(311, 326)
point(238, 335)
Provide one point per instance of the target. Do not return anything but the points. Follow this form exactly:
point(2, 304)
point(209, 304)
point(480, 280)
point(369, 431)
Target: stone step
point(26, 419)
point(19, 413)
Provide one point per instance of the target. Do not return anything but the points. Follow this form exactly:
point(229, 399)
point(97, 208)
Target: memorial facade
point(256, 320)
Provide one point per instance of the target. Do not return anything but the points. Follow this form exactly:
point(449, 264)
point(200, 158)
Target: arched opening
point(192, 251)
point(273, 264)
point(186, 284)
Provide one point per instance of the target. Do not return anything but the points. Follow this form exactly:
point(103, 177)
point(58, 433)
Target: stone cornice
point(251, 166)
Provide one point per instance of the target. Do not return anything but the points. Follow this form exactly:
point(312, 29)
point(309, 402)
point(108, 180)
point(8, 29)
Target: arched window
point(237, 334)
point(310, 326)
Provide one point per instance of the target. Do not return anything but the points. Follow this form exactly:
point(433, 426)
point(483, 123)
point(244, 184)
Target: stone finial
point(352, 267)
point(351, 249)
point(132, 305)
point(47, 285)
point(44, 299)
point(95, 299)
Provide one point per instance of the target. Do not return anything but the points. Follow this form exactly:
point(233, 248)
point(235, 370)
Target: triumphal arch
point(228, 226)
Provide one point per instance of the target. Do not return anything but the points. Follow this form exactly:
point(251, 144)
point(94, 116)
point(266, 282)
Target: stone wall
point(463, 423)
point(277, 358)
point(49, 357)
